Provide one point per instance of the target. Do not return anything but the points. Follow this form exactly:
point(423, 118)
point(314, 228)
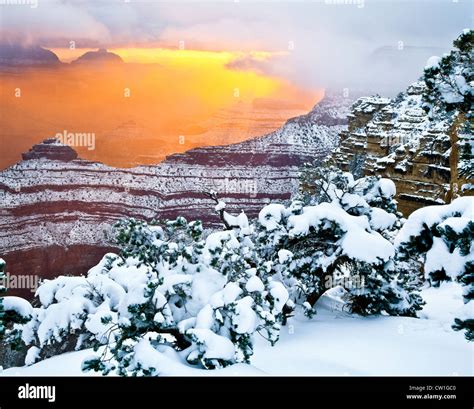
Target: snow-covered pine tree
point(443, 238)
point(342, 238)
point(448, 79)
point(449, 96)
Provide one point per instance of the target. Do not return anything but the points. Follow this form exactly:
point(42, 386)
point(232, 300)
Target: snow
point(313, 215)
point(245, 320)
point(280, 295)
point(173, 280)
point(58, 289)
point(60, 318)
point(220, 206)
point(431, 215)
point(205, 318)
point(270, 216)
point(230, 293)
point(371, 248)
point(134, 296)
point(32, 355)
point(18, 305)
point(439, 258)
point(450, 96)
point(217, 239)
point(111, 291)
point(462, 85)
point(352, 200)
point(359, 242)
point(458, 224)
point(68, 364)
point(204, 285)
point(240, 221)
point(433, 62)
point(443, 303)
point(387, 187)
point(254, 284)
point(332, 343)
point(381, 220)
point(284, 256)
point(128, 276)
point(94, 322)
point(337, 344)
point(217, 346)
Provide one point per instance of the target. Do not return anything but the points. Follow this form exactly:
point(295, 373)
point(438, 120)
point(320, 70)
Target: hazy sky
point(325, 41)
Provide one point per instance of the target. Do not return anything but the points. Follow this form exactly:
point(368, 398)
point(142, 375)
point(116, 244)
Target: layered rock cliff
point(396, 139)
point(423, 138)
point(57, 209)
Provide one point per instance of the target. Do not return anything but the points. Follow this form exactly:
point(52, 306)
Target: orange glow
point(169, 56)
point(70, 54)
point(160, 102)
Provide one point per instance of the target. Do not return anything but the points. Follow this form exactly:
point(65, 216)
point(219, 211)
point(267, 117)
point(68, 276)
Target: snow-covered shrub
point(14, 311)
point(341, 239)
point(443, 238)
point(363, 196)
point(205, 299)
point(76, 310)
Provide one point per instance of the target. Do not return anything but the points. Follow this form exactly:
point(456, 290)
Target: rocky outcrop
point(57, 209)
point(397, 139)
point(50, 149)
point(101, 56)
point(19, 55)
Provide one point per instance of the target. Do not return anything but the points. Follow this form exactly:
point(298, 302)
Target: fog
point(380, 45)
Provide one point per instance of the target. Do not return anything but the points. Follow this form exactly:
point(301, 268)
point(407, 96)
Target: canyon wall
point(396, 139)
point(57, 209)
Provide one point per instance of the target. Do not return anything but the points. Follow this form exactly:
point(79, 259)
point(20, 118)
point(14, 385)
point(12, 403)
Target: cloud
point(327, 43)
point(50, 23)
